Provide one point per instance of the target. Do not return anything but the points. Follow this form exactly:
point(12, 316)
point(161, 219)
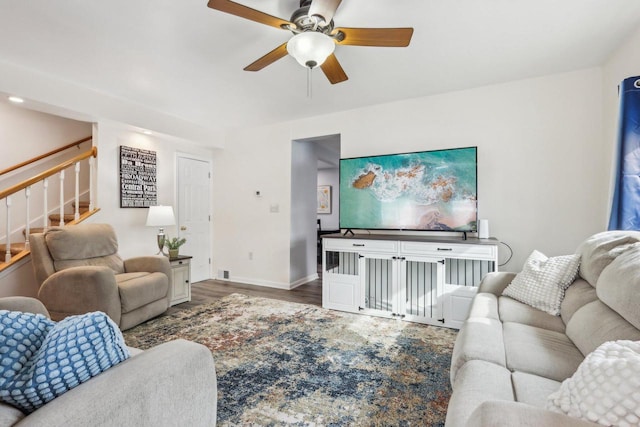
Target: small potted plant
point(173, 244)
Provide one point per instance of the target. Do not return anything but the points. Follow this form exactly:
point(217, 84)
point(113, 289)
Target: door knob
point(183, 228)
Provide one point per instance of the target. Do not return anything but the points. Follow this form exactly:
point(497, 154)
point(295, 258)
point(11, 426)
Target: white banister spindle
point(7, 253)
point(45, 214)
point(27, 195)
point(76, 214)
point(61, 210)
point(92, 162)
point(23, 212)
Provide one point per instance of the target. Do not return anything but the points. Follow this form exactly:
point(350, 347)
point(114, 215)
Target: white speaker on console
point(483, 229)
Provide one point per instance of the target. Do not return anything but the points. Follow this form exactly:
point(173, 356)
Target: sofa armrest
point(173, 384)
point(498, 413)
point(148, 264)
point(23, 304)
point(495, 283)
point(79, 290)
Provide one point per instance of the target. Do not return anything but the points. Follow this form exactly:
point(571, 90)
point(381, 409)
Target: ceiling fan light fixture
point(311, 48)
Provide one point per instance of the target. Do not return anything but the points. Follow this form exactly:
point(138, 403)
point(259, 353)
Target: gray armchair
point(79, 271)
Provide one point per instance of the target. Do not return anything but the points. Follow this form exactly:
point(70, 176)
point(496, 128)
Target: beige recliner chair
point(79, 271)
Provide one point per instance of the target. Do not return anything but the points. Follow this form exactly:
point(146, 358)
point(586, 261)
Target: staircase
point(18, 201)
point(54, 221)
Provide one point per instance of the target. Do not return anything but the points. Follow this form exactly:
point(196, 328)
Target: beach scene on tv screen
point(431, 190)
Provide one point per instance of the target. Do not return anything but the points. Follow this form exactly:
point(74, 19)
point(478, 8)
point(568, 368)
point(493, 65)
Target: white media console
point(415, 278)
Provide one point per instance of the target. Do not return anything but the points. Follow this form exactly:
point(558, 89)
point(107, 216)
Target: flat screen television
point(423, 191)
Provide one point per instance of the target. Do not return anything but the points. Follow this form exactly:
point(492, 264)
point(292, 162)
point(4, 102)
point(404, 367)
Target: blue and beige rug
point(282, 363)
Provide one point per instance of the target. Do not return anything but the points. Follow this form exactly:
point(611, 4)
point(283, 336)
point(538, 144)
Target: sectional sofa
point(509, 357)
point(173, 384)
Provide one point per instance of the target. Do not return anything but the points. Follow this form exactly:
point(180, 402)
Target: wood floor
point(211, 290)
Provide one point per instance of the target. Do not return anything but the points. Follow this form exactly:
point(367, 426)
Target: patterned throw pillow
point(605, 389)
point(543, 281)
point(41, 359)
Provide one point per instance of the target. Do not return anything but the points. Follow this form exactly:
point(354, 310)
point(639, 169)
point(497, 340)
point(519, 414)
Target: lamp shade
point(310, 48)
point(160, 216)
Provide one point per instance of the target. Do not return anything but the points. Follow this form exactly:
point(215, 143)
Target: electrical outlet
point(225, 274)
point(250, 256)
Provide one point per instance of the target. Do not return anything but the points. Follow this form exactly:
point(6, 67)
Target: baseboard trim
point(304, 280)
point(269, 284)
point(257, 282)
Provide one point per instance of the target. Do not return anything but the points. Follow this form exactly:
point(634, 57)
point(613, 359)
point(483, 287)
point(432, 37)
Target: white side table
point(180, 290)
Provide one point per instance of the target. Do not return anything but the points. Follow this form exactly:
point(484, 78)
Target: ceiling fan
point(315, 35)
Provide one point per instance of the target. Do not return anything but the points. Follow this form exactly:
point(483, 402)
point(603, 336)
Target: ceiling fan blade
point(324, 8)
point(384, 37)
point(268, 59)
point(248, 13)
point(333, 70)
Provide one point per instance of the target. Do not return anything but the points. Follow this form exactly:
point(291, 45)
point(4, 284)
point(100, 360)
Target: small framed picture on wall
point(324, 199)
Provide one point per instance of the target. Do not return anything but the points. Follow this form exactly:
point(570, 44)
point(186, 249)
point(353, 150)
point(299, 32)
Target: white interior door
point(194, 216)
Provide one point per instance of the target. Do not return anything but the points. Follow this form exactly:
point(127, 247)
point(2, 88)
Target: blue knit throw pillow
point(41, 359)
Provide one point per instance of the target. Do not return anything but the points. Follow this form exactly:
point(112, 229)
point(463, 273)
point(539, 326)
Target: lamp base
point(161, 239)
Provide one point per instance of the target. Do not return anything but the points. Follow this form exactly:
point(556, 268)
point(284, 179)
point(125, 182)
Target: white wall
point(19, 280)
point(331, 177)
point(259, 159)
point(134, 238)
point(542, 179)
point(305, 177)
point(303, 260)
point(32, 133)
point(623, 63)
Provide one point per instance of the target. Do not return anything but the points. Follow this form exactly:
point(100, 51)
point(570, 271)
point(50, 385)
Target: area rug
point(281, 363)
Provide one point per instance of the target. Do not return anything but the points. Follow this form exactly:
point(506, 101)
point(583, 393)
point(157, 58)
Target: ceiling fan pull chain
point(309, 92)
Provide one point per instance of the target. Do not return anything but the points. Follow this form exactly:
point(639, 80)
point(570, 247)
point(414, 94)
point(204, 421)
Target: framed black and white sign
point(138, 180)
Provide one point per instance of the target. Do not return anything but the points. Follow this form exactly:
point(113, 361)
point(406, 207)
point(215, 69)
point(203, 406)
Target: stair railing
point(43, 177)
point(45, 155)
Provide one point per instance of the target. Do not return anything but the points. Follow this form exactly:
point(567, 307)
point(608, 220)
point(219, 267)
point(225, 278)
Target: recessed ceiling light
point(16, 99)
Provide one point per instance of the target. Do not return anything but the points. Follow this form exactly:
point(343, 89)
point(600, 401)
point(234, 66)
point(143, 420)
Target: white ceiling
point(181, 58)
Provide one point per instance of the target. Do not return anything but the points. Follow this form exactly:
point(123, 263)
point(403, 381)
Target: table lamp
point(160, 216)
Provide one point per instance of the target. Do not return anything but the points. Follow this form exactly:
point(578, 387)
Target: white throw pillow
point(542, 281)
point(605, 389)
